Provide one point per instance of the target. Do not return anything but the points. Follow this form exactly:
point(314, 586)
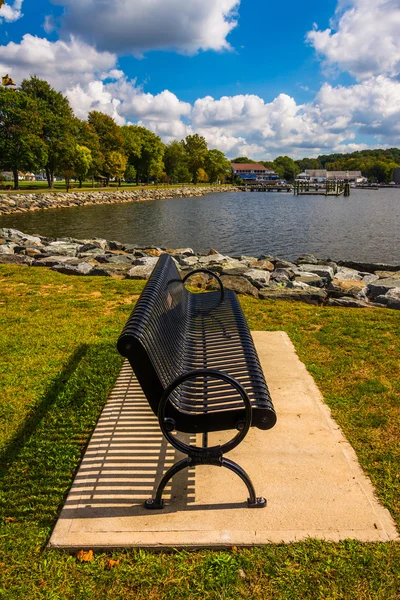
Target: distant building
point(253, 172)
point(7, 175)
point(321, 175)
point(28, 176)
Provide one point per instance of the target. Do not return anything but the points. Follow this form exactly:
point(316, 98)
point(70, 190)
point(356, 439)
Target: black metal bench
point(196, 362)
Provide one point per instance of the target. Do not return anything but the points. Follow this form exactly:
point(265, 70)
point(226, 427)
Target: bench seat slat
point(172, 331)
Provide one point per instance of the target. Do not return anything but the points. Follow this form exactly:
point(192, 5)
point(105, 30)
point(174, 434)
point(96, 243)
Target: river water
point(364, 227)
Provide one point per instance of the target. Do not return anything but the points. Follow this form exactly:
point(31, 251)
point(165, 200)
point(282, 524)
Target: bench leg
point(252, 502)
point(158, 502)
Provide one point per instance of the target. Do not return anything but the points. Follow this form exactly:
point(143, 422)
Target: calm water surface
point(364, 227)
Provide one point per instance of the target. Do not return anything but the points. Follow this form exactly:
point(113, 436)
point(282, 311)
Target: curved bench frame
point(204, 455)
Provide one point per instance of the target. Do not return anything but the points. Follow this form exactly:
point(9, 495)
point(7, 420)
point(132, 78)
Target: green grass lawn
point(57, 364)
point(34, 187)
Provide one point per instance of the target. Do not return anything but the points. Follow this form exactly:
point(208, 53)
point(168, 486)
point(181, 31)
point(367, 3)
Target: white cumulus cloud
point(62, 63)
point(128, 27)
point(242, 124)
point(10, 13)
point(126, 102)
point(363, 38)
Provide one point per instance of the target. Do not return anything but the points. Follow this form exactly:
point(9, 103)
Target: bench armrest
point(208, 272)
point(167, 425)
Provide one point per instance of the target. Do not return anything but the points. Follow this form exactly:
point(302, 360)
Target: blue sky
point(254, 77)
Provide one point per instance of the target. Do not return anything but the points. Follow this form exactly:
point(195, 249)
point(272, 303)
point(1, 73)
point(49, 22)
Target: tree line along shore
point(40, 133)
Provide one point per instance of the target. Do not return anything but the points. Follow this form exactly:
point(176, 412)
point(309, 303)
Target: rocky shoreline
point(20, 203)
point(307, 279)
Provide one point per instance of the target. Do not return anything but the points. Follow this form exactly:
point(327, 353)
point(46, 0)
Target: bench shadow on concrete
point(126, 458)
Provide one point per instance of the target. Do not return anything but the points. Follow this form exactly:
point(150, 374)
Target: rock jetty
point(307, 279)
point(20, 203)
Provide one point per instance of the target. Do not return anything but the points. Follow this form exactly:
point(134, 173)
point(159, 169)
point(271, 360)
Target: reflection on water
point(364, 227)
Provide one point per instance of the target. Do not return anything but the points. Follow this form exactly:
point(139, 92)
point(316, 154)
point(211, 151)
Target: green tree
point(268, 164)
point(83, 162)
point(217, 166)
point(108, 131)
point(87, 136)
point(182, 174)
point(75, 162)
point(145, 152)
point(130, 173)
point(196, 150)
point(201, 176)
point(21, 125)
point(115, 165)
point(176, 163)
point(243, 160)
point(308, 163)
point(286, 168)
point(110, 140)
point(58, 121)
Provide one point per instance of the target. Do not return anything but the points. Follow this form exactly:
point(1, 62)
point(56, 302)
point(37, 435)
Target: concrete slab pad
point(304, 466)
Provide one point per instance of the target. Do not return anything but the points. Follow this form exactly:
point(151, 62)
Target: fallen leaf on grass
point(112, 563)
point(83, 556)
point(10, 520)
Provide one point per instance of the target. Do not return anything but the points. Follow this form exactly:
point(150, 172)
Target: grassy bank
point(57, 365)
point(37, 187)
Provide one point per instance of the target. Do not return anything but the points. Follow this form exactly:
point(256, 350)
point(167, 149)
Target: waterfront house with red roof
point(253, 172)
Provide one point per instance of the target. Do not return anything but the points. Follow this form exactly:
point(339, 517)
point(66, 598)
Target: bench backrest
point(153, 337)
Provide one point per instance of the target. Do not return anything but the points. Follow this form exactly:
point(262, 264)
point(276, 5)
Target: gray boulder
point(265, 264)
point(89, 247)
point(391, 299)
point(140, 272)
point(298, 285)
point(347, 302)
point(187, 261)
point(146, 261)
point(8, 248)
point(245, 259)
point(212, 258)
point(62, 248)
point(20, 238)
point(82, 268)
point(240, 285)
point(345, 287)
point(115, 271)
point(228, 266)
point(388, 274)
point(50, 261)
point(343, 274)
point(369, 278)
point(307, 259)
point(310, 279)
point(258, 277)
point(280, 263)
point(324, 271)
point(381, 287)
point(282, 275)
point(311, 296)
point(15, 259)
point(369, 267)
point(116, 259)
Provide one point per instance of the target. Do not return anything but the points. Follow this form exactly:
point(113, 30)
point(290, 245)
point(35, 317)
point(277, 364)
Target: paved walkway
point(304, 467)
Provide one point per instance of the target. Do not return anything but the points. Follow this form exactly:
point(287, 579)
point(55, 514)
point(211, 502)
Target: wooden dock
point(330, 188)
point(266, 188)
